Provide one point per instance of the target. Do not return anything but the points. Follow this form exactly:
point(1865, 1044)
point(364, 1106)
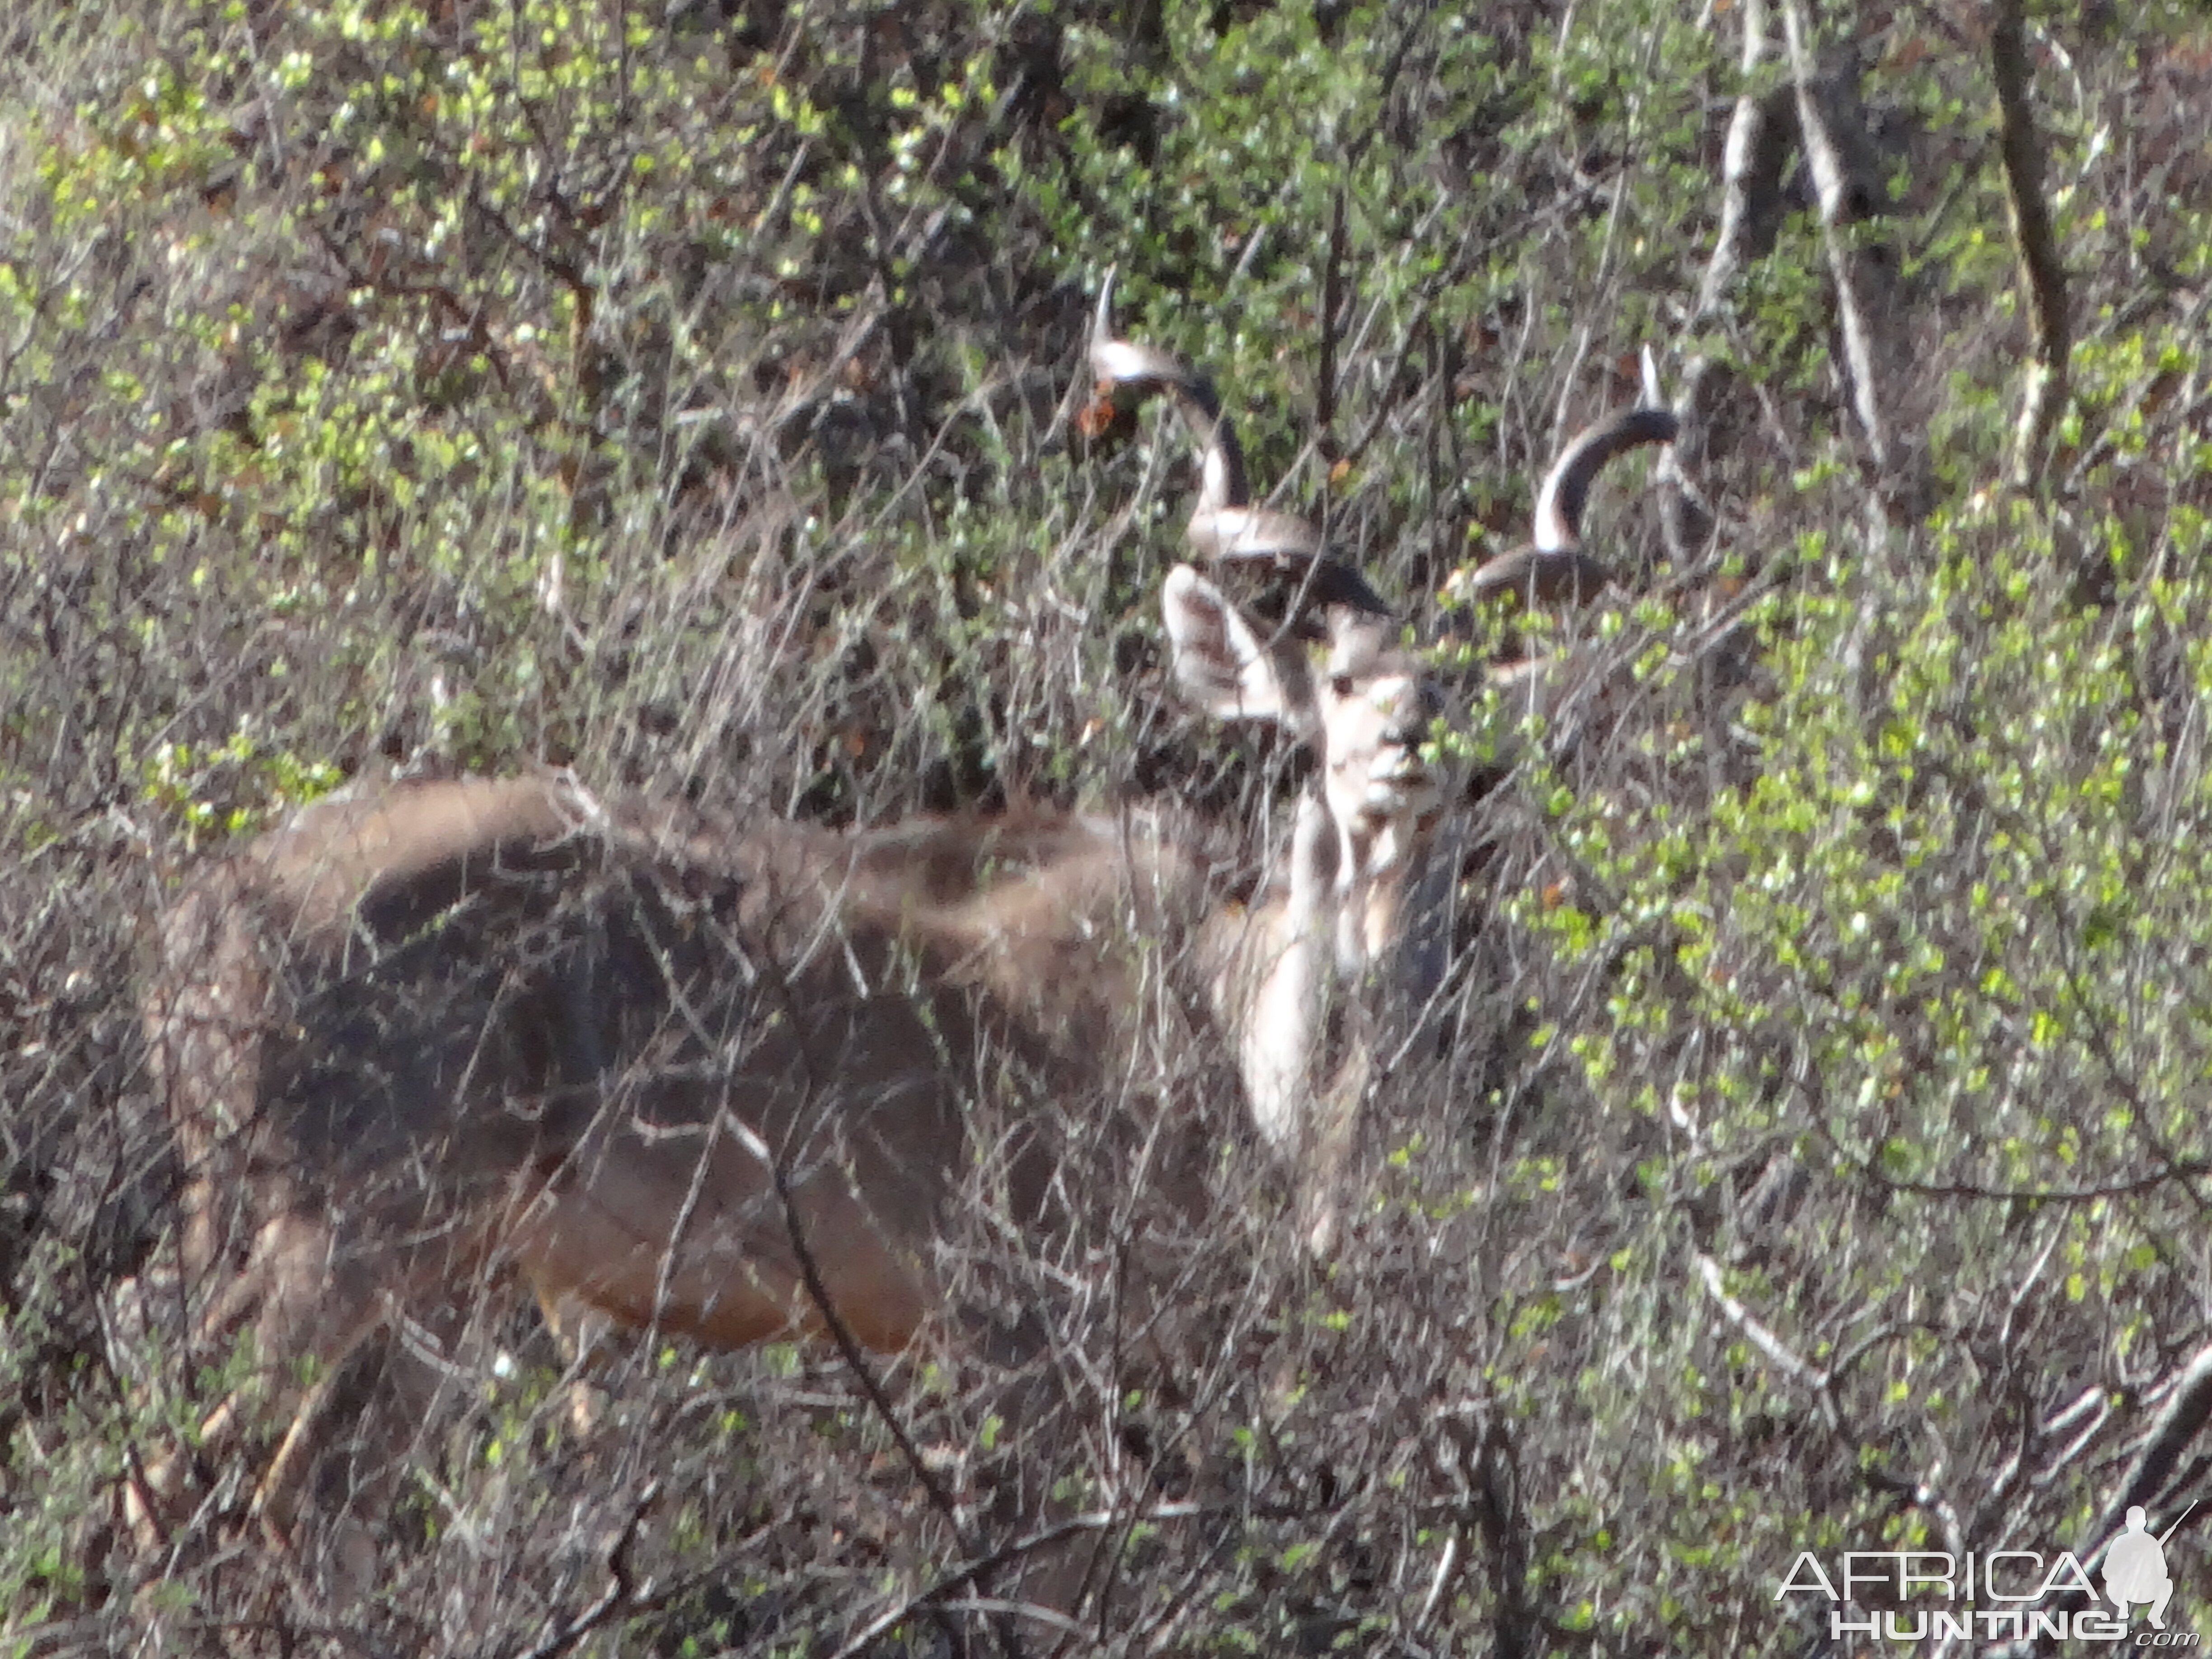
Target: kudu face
point(718, 1080)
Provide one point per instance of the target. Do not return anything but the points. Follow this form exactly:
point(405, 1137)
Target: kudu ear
point(1224, 667)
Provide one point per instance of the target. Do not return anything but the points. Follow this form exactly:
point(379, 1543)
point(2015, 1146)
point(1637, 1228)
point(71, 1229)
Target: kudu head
point(1312, 649)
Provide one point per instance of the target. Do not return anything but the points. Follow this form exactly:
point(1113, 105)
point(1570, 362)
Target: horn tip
point(1102, 325)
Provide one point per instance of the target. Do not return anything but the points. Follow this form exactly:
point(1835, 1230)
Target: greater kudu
point(724, 1080)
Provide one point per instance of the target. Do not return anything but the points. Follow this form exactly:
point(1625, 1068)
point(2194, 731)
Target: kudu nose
point(1398, 779)
point(1415, 706)
point(1409, 707)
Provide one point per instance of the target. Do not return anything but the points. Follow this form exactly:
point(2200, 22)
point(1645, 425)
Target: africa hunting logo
point(2004, 1596)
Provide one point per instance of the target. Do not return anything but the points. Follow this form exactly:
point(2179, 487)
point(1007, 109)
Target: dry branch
point(1863, 302)
point(2042, 272)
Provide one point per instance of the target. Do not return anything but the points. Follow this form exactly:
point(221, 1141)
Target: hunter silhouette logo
point(2135, 1568)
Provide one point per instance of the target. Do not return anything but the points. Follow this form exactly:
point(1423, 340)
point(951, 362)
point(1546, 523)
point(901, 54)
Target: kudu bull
point(721, 1079)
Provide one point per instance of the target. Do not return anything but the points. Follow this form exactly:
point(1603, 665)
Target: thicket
point(1812, 1152)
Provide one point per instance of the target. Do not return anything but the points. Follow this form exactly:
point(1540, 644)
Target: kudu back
point(734, 1080)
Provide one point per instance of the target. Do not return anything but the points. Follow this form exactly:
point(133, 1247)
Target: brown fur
point(409, 1034)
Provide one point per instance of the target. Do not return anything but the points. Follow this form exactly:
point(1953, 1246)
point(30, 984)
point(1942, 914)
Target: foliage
point(1812, 1152)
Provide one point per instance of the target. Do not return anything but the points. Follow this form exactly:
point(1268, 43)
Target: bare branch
point(1861, 302)
point(622, 1595)
point(2183, 1419)
point(1751, 173)
point(2042, 270)
point(1760, 1337)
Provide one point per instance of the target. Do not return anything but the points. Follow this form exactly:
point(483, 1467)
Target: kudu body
point(731, 1080)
